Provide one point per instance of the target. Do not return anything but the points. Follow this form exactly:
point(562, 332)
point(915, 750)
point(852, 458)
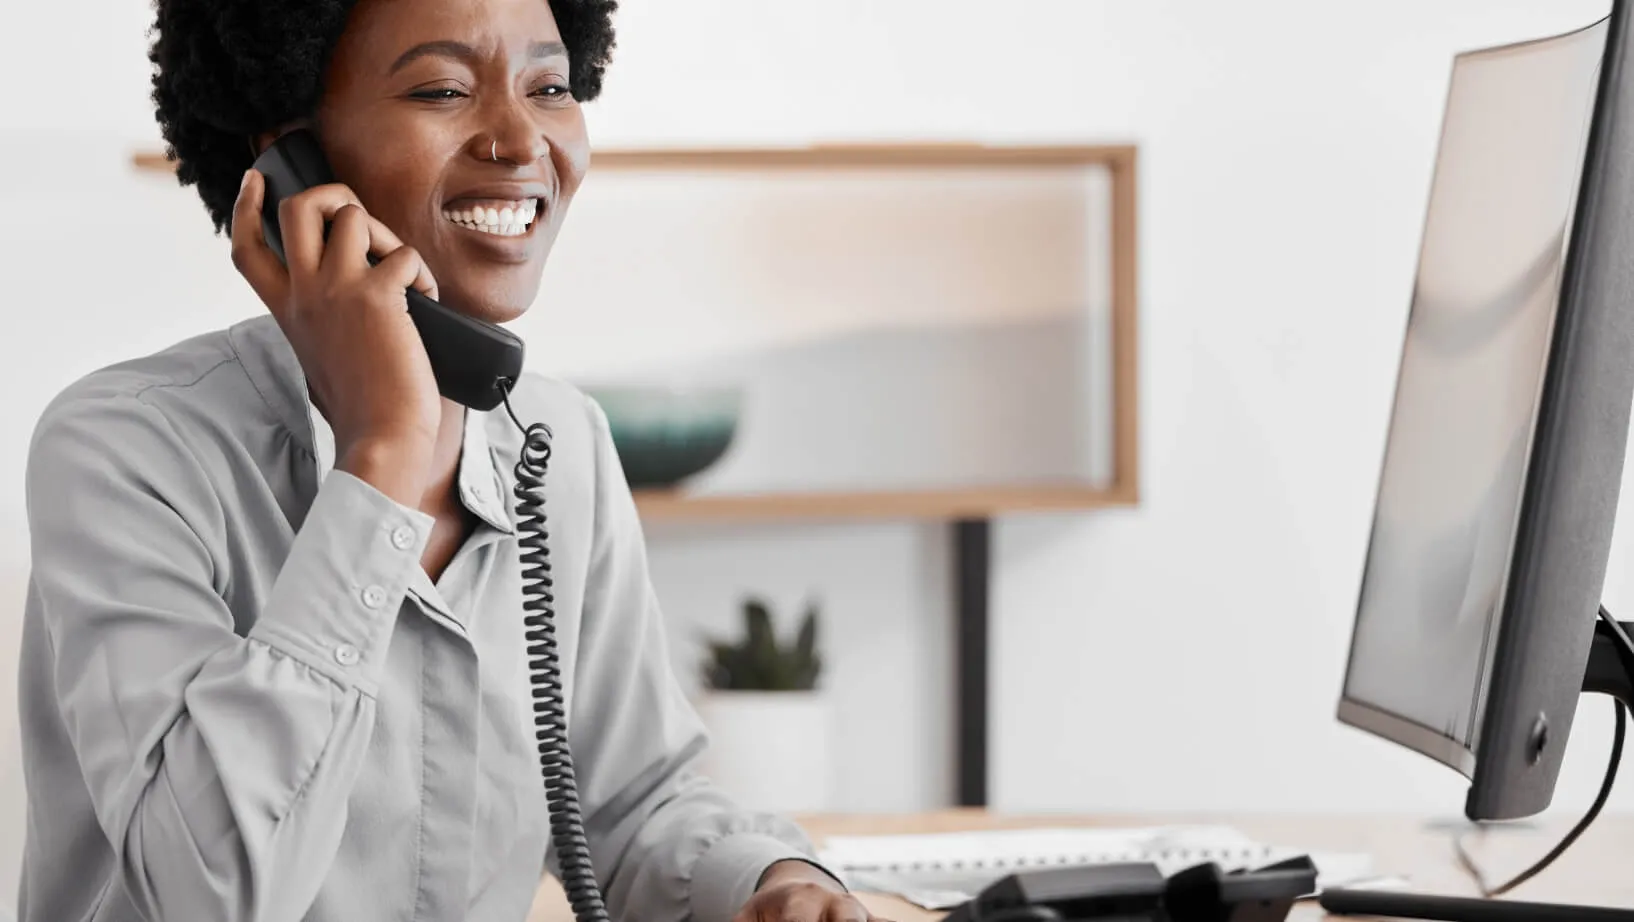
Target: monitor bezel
point(1407, 733)
point(1574, 475)
point(1535, 662)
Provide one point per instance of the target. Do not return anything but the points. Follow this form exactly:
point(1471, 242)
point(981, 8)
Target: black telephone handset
point(474, 362)
point(477, 364)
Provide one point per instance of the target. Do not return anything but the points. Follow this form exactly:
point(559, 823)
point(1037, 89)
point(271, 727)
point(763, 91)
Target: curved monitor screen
point(1477, 341)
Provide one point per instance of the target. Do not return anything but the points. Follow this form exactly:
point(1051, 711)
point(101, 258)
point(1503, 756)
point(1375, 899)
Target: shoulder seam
point(232, 346)
point(139, 393)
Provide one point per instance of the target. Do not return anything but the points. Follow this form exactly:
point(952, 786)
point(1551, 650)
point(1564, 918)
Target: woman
point(274, 656)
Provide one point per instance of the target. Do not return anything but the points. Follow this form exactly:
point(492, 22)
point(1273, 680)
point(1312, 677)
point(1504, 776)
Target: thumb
point(404, 267)
point(252, 256)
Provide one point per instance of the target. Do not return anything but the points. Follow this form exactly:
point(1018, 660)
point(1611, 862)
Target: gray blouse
point(243, 699)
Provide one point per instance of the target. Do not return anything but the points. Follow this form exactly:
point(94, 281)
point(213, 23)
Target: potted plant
point(767, 719)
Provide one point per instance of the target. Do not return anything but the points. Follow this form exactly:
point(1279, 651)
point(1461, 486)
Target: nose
point(513, 137)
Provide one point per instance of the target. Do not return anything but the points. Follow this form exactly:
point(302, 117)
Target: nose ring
point(493, 151)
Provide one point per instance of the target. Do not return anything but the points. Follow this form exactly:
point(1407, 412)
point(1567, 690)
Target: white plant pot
point(770, 751)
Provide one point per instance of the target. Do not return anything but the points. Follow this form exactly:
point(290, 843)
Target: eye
point(553, 92)
point(437, 94)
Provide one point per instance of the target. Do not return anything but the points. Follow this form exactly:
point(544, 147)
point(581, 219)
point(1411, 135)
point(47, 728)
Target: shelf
point(679, 506)
point(919, 155)
point(1119, 160)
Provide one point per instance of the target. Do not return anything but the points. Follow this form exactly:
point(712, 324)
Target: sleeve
point(666, 843)
point(219, 765)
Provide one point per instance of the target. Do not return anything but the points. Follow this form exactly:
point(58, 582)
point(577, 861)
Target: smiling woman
point(276, 664)
point(432, 119)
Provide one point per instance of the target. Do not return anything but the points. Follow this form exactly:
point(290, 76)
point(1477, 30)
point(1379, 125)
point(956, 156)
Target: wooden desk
point(1593, 871)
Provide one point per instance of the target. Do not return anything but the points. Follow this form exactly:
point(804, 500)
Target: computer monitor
point(1492, 530)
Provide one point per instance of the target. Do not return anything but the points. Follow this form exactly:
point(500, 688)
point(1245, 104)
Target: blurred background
point(894, 330)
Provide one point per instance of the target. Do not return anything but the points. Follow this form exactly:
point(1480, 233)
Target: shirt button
point(347, 655)
point(374, 597)
point(402, 537)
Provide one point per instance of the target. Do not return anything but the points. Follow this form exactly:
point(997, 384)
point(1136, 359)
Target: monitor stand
point(1609, 673)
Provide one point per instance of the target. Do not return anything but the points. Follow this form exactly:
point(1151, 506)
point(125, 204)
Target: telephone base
point(1139, 892)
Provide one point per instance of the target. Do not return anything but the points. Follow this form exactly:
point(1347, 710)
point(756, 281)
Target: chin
point(491, 301)
point(486, 275)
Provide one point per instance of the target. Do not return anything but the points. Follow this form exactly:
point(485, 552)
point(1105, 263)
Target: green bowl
point(665, 435)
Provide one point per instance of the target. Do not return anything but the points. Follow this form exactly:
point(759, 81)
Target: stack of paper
point(941, 870)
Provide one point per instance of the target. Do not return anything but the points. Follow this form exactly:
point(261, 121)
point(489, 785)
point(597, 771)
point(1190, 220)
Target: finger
point(382, 242)
point(348, 241)
point(807, 904)
point(846, 909)
point(345, 252)
point(402, 267)
point(251, 256)
point(424, 282)
point(753, 911)
point(301, 219)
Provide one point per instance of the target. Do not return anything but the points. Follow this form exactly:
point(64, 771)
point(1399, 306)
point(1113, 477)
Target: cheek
point(401, 185)
point(405, 205)
point(571, 165)
point(397, 190)
point(570, 154)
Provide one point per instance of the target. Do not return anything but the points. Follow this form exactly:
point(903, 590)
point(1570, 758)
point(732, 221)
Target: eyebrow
point(447, 48)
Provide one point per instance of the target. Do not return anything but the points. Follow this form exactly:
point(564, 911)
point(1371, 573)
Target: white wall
point(1286, 152)
point(1286, 148)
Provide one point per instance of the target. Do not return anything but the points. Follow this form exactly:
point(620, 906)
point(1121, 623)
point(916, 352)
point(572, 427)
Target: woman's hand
point(349, 325)
point(795, 891)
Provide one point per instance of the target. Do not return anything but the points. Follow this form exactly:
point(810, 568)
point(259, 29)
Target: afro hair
point(228, 70)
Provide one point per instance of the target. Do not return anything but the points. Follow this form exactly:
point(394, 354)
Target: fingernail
point(243, 183)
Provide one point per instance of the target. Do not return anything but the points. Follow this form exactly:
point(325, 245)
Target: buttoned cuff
point(726, 875)
point(336, 598)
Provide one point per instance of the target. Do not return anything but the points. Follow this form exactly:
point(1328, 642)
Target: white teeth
point(509, 220)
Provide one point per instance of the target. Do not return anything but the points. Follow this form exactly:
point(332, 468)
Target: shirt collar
point(480, 486)
point(275, 372)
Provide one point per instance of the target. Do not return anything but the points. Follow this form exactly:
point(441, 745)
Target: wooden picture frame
point(1120, 489)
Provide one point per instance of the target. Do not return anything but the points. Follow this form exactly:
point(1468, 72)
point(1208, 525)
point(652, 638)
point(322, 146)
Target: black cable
point(1626, 651)
point(545, 673)
point(1625, 646)
point(1570, 838)
point(1028, 913)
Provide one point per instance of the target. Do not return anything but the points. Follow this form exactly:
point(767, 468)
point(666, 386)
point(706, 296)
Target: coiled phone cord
point(545, 674)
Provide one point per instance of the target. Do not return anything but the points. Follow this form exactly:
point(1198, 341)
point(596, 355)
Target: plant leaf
point(809, 672)
point(805, 645)
point(758, 662)
point(758, 625)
